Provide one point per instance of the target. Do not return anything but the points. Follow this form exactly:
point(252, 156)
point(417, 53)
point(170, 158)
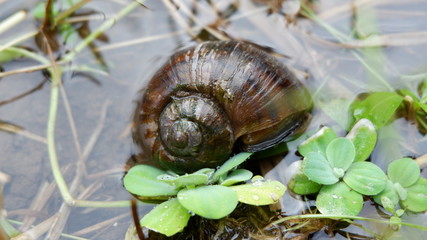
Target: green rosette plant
point(404, 186)
point(209, 193)
point(336, 168)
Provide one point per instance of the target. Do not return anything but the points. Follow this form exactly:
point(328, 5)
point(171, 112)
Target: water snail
point(211, 99)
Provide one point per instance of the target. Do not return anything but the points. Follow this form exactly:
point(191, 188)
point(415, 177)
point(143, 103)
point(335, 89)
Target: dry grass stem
point(179, 19)
point(139, 41)
point(100, 225)
point(71, 121)
point(38, 204)
point(12, 20)
point(38, 230)
point(7, 127)
point(111, 171)
point(198, 22)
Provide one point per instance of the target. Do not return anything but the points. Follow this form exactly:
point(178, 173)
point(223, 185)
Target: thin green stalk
point(28, 54)
point(101, 29)
point(18, 40)
point(336, 217)
point(343, 38)
point(69, 11)
point(373, 71)
point(53, 157)
point(56, 83)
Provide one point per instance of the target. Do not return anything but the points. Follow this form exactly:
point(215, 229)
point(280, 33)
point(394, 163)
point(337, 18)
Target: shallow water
point(140, 43)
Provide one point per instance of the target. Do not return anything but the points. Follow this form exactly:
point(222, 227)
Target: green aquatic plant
point(415, 106)
point(209, 193)
point(335, 167)
point(405, 186)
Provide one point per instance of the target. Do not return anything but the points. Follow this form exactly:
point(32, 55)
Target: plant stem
point(422, 161)
point(12, 21)
point(101, 29)
point(69, 11)
point(337, 217)
point(102, 204)
point(63, 188)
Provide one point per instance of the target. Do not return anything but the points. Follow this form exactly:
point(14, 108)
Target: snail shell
point(208, 100)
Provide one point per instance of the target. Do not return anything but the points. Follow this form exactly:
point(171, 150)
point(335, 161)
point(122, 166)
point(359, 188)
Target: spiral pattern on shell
point(208, 99)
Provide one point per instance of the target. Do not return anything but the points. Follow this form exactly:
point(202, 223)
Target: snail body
point(208, 99)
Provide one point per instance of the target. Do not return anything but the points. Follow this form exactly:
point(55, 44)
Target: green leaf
point(8, 55)
point(340, 153)
point(168, 218)
point(364, 138)
point(416, 200)
point(339, 199)
point(400, 212)
point(317, 169)
point(212, 202)
point(378, 107)
point(388, 204)
point(424, 92)
point(142, 181)
point(395, 223)
point(401, 192)
point(318, 142)
point(260, 192)
point(404, 171)
point(365, 178)
point(406, 92)
point(238, 175)
point(192, 179)
point(300, 184)
point(388, 192)
point(231, 163)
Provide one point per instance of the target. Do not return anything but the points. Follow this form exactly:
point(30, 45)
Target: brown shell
point(261, 98)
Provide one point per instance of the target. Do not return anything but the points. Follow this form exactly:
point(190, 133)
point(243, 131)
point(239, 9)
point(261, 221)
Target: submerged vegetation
point(368, 156)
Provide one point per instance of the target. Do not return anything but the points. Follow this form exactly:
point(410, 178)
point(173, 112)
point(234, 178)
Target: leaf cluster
point(335, 167)
point(209, 193)
point(404, 186)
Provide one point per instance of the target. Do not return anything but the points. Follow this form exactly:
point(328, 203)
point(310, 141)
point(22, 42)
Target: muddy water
point(138, 44)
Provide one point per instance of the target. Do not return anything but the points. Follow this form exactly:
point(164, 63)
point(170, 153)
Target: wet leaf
point(404, 171)
point(231, 163)
point(388, 192)
point(239, 175)
point(300, 184)
point(364, 138)
point(212, 202)
point(365, 178)
point(192, 179)
point(416, 200)
point(142, 181)
point(340, 153)
point(318, 142)
point(401, 192)
point(8, 55)
point(378, 107)
point(260, 192)
point(168, 218)
point(388, 204)
point(339, 199)
point(317, 169)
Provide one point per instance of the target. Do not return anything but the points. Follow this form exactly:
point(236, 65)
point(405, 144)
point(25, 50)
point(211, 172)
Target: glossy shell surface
point(240, 92)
